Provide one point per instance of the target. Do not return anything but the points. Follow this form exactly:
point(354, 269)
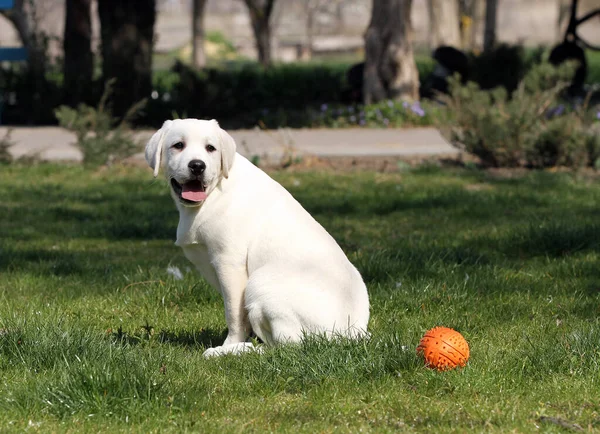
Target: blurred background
point(201, 58)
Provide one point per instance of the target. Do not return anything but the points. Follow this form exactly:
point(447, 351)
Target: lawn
point(96, 335)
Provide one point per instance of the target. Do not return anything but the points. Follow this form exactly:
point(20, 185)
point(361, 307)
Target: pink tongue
point(193, 192)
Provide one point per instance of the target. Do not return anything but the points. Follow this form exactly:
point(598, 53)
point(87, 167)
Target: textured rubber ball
point(443, 348)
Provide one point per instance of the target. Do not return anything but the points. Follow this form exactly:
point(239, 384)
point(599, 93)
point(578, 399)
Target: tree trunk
point(78, 62)
point(260, 13)
point(198, 53)
point(564, 12)
point(310, 30)
point(311, 9)
point(477, 24)
point(127, 30)
point(339, 18)
point(444, 23)
point(489, 35)
point(390, 69)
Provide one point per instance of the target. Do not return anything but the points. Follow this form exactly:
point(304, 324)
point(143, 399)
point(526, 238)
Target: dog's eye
point(210, 148)
point(178, 145)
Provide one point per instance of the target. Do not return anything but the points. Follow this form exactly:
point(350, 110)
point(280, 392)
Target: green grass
point(95, 336)
point(593, 59)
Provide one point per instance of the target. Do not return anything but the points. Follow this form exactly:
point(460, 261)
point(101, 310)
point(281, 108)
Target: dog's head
point(195, 155)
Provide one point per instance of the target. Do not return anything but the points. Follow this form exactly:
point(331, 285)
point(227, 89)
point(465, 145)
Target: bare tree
point(564, 12)
point(127, 31)
point(260, 13)
point(77, 42)
point(198, 53)
point(489, 34)
point(390, 69)
point(312, 8)
point(444, 23)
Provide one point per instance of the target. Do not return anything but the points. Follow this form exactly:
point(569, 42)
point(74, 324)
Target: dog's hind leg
point(275, 329)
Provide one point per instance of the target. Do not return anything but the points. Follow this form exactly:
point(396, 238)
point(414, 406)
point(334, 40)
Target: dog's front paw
point(239, 348)
point(213, 352)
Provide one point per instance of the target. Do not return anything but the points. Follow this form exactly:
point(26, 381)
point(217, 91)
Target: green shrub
point(5, 143)
point(383, 114)
point(99, 138)
point(218, 38)
point(530, 128)
point(242, 95)
point(560, 142)
point(29, 99)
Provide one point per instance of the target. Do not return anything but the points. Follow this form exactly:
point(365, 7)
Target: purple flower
point(555, 111)
point(598, 115)
point(405, 104)
point(323, 107)
point(350, 109)
point(390, 103)
point(386, 122)
point(362, 122)
point(417, 109)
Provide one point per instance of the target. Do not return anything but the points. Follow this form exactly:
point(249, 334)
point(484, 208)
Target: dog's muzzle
point(190, 192)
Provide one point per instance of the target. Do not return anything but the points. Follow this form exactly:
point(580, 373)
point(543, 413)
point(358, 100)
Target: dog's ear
point(228, 149)
point(154, 147)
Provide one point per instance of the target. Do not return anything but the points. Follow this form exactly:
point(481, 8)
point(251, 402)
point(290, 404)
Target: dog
point(281, 275)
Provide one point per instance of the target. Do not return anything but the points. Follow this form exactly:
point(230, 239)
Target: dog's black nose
point(197, 167)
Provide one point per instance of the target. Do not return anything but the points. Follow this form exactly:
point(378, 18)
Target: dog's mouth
point(190, 192)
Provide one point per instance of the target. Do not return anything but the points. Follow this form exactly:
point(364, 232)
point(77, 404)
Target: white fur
point(280, 273)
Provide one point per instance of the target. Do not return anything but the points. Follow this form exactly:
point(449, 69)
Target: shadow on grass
point(204, 338)
point(457, 201)
point(556, 238)
point(122, 210)
point(415, 261)
point(95, 264)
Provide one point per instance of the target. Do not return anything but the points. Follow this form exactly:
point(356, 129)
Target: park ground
point(103, 323)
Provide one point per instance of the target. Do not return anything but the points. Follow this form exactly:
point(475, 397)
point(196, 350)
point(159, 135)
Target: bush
point(5, 143)
point(384, 114)
point(100, 138)
point(226, 46)
point(243, 95)
point(529, 128)
point(27, 99)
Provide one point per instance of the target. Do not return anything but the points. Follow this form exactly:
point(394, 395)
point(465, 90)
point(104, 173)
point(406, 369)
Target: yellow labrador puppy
point(280, 273)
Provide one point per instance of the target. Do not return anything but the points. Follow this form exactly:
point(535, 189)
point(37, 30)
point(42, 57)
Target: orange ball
point(443, 348)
